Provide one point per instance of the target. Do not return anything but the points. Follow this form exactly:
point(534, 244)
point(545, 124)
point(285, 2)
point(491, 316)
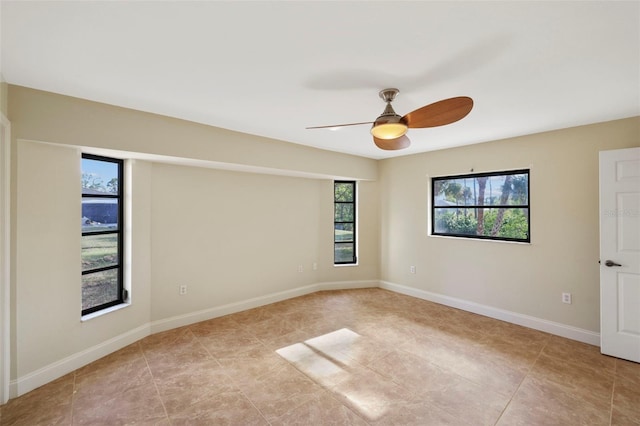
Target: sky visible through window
point(99, 175)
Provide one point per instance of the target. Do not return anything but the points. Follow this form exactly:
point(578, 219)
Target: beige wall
point(48, 290)
point(229, 236)
point(232, 236)
point(527, 279)
point(4, 96)
point(48, 117)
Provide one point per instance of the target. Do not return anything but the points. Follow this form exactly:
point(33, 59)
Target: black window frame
point(121, 293)
point(526, 207)
point(336, 203)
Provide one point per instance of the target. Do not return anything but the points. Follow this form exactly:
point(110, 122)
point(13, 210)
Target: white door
point(620, 253)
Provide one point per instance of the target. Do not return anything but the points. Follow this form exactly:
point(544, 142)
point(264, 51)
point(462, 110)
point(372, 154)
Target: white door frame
point(5, 256)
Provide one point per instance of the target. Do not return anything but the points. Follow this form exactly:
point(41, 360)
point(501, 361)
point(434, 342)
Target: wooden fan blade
point(339, 125)
point(392, 144)
point(439, 113)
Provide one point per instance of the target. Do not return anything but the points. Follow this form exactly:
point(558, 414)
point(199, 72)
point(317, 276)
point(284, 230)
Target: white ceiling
point(274, 68)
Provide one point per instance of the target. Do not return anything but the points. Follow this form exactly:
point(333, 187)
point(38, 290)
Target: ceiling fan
point(389, 129)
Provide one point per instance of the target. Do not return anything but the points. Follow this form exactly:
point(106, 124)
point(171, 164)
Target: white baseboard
point(558, 329)
point(57, 369)
point(347, 285)
point(71, 363)
point(64, 366)
point(231, 308)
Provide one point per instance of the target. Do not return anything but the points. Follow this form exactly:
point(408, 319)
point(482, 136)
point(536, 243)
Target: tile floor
point(353, 357)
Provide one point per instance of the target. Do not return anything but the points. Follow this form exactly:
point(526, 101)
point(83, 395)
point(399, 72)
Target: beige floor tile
point(364, 350)
point(543, 403)
point(469, 360)
point(321, 409)
point(626, 400)
point(518, 334)
point(127, 355)
point(322, 327)
point(253, 316)
point(185, 386)
point(463, 328)
point(224, 345)
point(412, 371)
point(627, 369)
point(231, 408)
point(346, 347)
point(347, 357)
point(133, 405)
point(280, 391)
point(386, 330)
point(296, 336)
point(518, 355)
point(223, 324)
point(303, 318)
point(582, 381)
point(319, 367)
point(47, 405)
point(171, 348)
point(270, 328)
point(246, 369)
point(118, 372)
point(420, 413)
point(579, 353)
point(370, 394)
point(167, 341)
point(468, 401)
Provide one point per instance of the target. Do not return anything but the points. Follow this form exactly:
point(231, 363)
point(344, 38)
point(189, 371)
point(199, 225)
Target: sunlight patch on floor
point(329, 360)
point(317, 366)
point(340, 345)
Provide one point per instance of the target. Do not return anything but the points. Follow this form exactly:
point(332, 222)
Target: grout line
point(522, 381)
point(254, 405)
point(73, 397)
point(613, 389)
point(155, 385)
point(215, 358)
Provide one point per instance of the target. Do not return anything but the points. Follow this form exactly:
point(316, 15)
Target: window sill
point(104, 312)
point(451, 237)
point(344, 265)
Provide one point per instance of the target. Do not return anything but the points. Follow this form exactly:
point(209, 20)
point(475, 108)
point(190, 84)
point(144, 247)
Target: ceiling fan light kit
point(389, 128)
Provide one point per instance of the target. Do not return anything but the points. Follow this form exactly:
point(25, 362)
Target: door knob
point(611, 263)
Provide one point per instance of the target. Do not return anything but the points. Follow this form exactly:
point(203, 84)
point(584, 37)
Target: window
point(102, 233)
point(491, 206)
point(344, 222)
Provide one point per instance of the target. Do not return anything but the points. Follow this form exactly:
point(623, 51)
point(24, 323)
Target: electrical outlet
point(412, 269)
point(183, 290)
point(315, 266)
point(566, 298)
point(300, 268)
